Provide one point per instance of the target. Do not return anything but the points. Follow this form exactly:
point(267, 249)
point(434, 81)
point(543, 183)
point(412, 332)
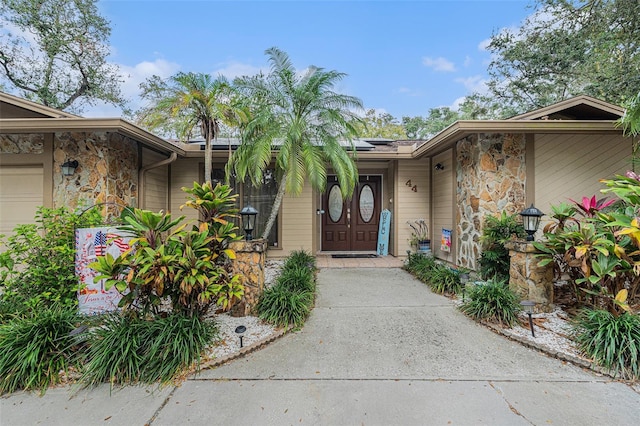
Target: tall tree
point(381, 125)
point(54, 52)
point(566, 48)
point(305, 121)
point(190, 102)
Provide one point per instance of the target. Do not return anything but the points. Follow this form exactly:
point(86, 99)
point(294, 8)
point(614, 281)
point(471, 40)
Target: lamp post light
point(69, 167)
point(464, 279)
point(528, 307)
point(240, 330)
point(248, 215)
point(531, 220)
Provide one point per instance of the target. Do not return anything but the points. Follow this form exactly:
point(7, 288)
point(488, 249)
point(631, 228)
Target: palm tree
point(304, 121)
point(189, 101)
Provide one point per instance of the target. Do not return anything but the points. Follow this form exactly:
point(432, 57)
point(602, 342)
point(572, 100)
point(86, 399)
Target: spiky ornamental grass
point(127, 349)
point(283, 306)
point(34, 350)
point(613, 342)
point(492, 301)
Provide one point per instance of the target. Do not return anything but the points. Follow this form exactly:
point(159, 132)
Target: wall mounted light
point(69, 167)
point(531, 220)
point(439, 166)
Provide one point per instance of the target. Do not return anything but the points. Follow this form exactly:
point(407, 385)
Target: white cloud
point(408, 92)
point(234, 69)
point(439, 64)
point(476, 83)
point(467, 61)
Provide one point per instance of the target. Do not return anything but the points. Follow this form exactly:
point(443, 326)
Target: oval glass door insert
point(335, 203)
point(366, 203)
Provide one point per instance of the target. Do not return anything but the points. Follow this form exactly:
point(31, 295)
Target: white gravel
point(552, 332)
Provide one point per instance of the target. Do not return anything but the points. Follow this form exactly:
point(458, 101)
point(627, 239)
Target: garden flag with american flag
point(93, 298)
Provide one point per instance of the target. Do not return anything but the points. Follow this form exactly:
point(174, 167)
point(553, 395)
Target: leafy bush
point(612, 341)
point(190, 267)
point(297, 278)
point(300, 258)
point(128, 349)
point(439, 277)
point(595, 244)
point(283, 306)
point(290, 300)
point(37, 269)
point(492, 301)
point(494, 260)
point(34, 350)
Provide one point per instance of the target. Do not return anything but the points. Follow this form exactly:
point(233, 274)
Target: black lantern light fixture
point(248, 214)
point(240, 330)
point(531, 221)
point(528, 308)
point(69, 167)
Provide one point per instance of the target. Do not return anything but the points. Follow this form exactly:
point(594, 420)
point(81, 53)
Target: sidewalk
point(378, 349)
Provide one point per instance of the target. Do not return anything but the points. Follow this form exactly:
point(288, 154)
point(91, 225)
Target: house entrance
point(351, 225)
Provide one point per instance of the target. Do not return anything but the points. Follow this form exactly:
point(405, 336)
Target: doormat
point(354, 256)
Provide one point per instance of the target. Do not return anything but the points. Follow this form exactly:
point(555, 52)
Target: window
point(262, 199)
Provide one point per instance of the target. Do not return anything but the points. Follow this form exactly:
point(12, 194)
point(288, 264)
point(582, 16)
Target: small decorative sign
point(93, 298)
point(445, 242)
point(383, 233)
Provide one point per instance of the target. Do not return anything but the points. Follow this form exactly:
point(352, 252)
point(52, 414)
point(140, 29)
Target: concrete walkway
point(378, 349)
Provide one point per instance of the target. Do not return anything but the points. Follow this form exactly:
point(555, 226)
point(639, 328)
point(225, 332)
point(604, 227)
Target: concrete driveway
point(378, 349)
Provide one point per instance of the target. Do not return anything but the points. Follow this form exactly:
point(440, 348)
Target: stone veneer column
point(528, 280)
point(250, 263)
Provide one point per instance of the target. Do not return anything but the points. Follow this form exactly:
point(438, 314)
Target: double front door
point(351, 225)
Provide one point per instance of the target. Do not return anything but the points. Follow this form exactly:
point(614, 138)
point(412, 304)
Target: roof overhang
point(578, 103)
point(462, 129)
point(35, 107)
point(115, 125)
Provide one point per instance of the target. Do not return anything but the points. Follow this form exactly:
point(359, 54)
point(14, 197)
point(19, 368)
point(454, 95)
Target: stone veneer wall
point(107, 171)
point(22, 144)
point(491, 172)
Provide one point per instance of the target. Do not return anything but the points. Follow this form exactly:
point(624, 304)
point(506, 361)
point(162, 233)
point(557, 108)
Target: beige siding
point(410, 204)
point(570, 167)
point(21, 190)
point(184, 172)
point(296, 224)
point(156, 185)
point(443, 206)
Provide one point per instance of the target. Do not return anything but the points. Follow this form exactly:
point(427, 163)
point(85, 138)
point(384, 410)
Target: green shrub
point(34, 350)
point(300, 258)
point(612, 341)
point(127, 349)
point(297, 278)
point(443, 279)
point(420, 266)
point(283, 306)
point(37, 269)
point(492, 301)
point(494, 260)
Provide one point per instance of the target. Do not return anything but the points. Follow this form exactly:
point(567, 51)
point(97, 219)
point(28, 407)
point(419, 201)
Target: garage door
point(21, 191)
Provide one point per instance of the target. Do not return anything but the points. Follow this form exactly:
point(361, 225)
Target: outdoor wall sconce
point(531, 220)
point(248, 215)
point(464, 279)
point(439, 166)
point(528, 308)
point(69, 167)
point(240, 330)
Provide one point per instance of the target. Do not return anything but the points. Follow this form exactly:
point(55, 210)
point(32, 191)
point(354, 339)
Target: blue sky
point(402, 57)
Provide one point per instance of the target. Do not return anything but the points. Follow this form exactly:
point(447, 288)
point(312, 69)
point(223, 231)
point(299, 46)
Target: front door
point(351, 225)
